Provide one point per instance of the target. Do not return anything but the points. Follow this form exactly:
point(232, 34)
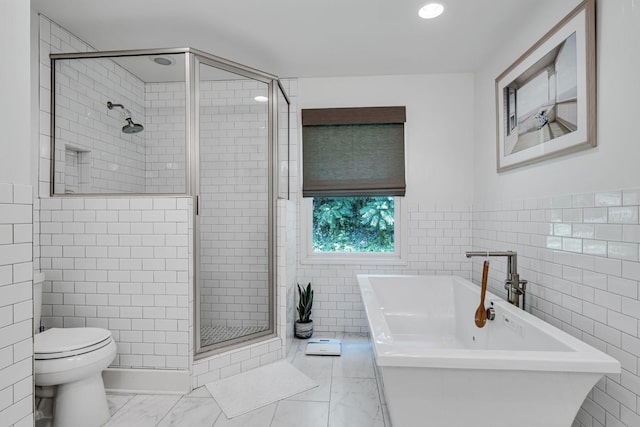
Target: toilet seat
point(58, 343)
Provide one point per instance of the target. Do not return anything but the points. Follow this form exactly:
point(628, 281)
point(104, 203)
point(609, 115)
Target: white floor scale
point(324, 347)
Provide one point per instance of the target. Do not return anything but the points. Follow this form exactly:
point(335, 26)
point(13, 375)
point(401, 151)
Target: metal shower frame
point(193, 58)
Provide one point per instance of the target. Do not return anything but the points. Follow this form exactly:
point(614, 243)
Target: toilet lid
point(63, 342)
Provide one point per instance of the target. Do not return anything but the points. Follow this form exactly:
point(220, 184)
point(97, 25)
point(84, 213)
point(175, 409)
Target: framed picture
point(546, 100)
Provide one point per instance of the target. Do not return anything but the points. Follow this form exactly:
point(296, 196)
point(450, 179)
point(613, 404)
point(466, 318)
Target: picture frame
point(546, 100)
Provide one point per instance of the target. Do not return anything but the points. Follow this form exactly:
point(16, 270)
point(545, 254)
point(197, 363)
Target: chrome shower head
point(130, 127)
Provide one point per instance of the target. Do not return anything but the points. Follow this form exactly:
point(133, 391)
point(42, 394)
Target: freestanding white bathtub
point(439, 370)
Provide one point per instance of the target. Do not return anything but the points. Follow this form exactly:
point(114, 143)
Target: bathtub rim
point(582, 357)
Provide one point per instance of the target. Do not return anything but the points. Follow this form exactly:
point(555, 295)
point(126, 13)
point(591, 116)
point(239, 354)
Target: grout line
point(333, 361)
point(170, 410)
point(273, 417)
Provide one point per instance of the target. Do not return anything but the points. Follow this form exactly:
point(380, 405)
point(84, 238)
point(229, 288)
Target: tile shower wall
point(286, 275)
point(580, 254)
point(165, 137)
point(92, 154)
point(16, 305)
point(438, 237)
point(122, 265)
point(88, 132)
point(233, 204)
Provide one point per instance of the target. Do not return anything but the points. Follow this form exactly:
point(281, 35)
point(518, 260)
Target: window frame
point(397, 257)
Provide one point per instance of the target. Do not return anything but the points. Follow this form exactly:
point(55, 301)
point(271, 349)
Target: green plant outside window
point(353, 224)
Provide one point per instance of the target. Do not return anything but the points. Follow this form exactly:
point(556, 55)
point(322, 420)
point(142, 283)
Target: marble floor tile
point(261, 417)
point(117, 401)
point(301, 414)
point(192, 411)
point(355, 403)
point(356, 361)
point(199, 392)
point(296, 346)
point(387, 418)
point(319, 369)
point(143, 411)
point(347, 396)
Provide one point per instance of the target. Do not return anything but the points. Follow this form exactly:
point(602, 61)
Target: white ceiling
point(303, 38)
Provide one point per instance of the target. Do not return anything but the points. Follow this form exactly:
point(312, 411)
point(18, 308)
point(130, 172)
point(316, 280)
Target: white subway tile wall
point(87, 128)
point(438, 236)
point(16, 305)
point(286, 275)
point(164, 132)
point(123, 265)
point(580, 256)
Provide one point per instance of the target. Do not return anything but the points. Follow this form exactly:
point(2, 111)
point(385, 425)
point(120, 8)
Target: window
point(353, 169)
point(353, 241)
point(353, 224)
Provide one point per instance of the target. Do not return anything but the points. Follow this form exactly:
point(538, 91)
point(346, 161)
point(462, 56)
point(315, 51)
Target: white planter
point(304, 330)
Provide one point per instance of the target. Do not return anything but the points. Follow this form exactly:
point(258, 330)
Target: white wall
point(439, 170)
point(574, 220)
point(613, 163)
point(15, 75)
point(16, 343)
point(439, 127)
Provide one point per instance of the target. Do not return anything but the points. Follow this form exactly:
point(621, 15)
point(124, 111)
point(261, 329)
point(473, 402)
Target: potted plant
point(304, 324)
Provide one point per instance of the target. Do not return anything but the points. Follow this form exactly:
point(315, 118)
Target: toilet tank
point(38, 280)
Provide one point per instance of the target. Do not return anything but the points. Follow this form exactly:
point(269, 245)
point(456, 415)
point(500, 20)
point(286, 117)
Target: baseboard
point(146, 381)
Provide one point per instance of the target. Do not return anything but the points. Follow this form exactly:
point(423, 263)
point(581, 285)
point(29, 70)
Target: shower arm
point(125, 112)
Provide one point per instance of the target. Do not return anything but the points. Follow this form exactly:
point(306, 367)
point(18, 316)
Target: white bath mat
point(259, 387)
point(324, 347)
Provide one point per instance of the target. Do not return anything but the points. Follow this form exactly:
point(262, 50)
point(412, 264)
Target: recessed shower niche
point(183, 123)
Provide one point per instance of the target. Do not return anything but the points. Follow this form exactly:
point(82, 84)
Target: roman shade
point(353, 151)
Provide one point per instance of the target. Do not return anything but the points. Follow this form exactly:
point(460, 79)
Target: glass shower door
point(233, 220)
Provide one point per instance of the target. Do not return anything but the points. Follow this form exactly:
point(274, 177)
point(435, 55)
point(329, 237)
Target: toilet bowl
point(72, 360)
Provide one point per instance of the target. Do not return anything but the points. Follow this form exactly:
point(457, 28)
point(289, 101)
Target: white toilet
point(72, 359)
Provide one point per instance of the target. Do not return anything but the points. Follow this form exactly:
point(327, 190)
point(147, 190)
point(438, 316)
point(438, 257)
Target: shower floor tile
point(342, 377)
point(214, 334)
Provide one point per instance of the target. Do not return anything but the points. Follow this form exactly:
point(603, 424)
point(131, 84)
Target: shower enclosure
point(184, 123)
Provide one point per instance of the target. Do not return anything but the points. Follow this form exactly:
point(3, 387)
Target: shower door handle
point(197, 205)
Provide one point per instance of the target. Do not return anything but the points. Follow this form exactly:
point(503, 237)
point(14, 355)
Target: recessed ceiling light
point(431, 10)
point(261, 98)
point(162, 60)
